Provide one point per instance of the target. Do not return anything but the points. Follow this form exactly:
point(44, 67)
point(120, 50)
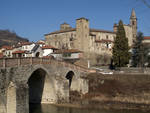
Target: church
point(93, 42)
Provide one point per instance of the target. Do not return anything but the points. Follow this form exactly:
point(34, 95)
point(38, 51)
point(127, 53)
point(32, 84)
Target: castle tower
point(82, 34)
point(65, 26)
point(133, 23)
point(115, 27)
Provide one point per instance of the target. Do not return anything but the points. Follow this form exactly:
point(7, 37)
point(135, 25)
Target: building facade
point(87, 39)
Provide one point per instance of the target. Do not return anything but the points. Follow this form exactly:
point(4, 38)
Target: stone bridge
point(38, 80)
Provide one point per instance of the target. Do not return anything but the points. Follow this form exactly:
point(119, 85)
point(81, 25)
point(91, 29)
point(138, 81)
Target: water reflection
point(37, 108)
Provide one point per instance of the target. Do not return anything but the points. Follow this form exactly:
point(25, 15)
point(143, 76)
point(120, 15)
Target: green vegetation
point(121, 54)
point(137, 54)
point(140, 54)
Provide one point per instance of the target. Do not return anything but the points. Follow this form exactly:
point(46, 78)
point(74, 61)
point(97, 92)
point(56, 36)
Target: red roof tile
point(147, 38)
point(7, 47)
point(25, 43)
point(17, 52)
point(48, 47)
point(40, 42)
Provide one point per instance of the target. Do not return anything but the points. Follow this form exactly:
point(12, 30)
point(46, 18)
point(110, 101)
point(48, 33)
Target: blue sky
point(34, 18)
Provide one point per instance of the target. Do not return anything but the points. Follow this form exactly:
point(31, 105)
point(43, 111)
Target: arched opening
point(37, 54)
point(69, 76)
point(36, 86)
point(41, 89)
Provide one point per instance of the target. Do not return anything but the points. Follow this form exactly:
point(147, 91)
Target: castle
point(88, 40)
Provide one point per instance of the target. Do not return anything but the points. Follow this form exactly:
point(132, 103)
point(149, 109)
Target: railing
point(16, 62)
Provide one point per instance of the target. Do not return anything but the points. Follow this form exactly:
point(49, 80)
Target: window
point(106, 36)
point(71, 39)
point(133, 23)
point(107, 45)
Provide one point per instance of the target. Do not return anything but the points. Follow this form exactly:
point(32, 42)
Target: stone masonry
point(37, 80)
point(89, 40)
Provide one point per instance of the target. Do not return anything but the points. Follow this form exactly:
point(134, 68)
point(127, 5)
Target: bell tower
point(133, 23)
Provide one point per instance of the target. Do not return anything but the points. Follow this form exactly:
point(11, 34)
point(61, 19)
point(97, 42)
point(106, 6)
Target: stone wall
point(15, 86)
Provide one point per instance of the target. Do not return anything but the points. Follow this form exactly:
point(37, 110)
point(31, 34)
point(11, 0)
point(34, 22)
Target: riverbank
point(119, 91)
point(108, 106)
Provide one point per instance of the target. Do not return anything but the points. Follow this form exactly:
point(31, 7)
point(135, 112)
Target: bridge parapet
point(15, 62)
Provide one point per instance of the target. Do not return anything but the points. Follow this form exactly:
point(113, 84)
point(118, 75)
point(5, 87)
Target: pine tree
point(138, 51)
point(121, 53)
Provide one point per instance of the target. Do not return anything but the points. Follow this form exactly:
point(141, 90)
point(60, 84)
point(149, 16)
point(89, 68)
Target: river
point(55, 109)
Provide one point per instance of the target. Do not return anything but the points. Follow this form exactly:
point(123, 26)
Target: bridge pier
point(2, 102)
point(17, 98)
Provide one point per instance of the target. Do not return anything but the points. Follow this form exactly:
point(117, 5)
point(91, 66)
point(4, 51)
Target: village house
point(70, 55)
point(7, 51)
point(47, 50)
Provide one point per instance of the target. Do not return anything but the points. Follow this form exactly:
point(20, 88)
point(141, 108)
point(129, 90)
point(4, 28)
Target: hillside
point(10, 38)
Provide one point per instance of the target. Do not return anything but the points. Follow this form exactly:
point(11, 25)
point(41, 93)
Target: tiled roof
point(40, 42)
point(19, 51)
point(100, 30)
point(67, 51)
point(25, 43)
point(74, 29)
point(7, 47)
point(61, 31)
point(103, 41)
point(48, 47)
point(147, 38)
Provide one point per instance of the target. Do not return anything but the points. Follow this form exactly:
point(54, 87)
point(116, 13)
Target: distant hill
point(10, 38)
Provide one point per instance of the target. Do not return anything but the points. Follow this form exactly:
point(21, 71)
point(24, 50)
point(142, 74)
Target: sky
point(34, 18)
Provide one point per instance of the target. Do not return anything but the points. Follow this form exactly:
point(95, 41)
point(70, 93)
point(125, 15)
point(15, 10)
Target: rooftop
point(146, 37)
point(48, 47)
point(7, 47)
point(18, 52)
point(74, 29)
point(24, 43)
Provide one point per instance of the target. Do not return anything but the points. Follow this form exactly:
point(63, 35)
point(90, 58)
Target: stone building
point(91, 41)
point(130, 29)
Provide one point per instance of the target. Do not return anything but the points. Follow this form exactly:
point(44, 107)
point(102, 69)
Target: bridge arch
point(41, 86)
point(70, 76)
